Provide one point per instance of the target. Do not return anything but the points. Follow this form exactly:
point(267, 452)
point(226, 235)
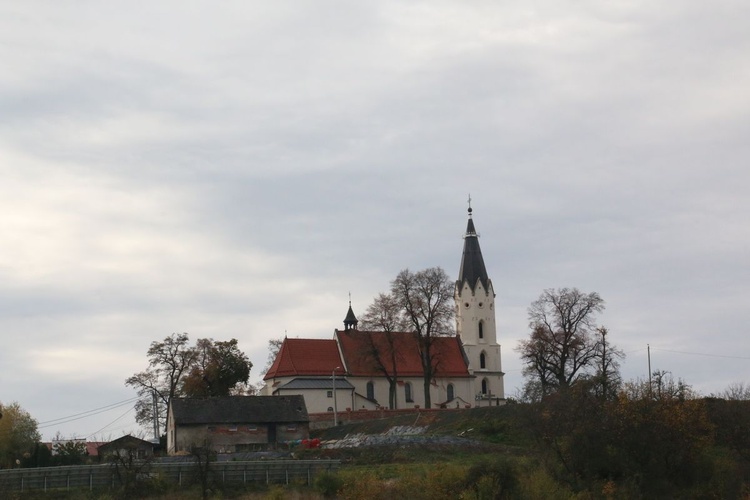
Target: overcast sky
point(236, 169)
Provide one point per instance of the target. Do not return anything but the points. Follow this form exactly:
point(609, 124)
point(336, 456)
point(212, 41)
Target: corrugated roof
point(317, 383)
point(305, 357)
point(359, 348)
point(239, 409)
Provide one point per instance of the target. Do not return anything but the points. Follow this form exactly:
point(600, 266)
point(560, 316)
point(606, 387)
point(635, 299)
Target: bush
point(495, 480)
point(362, 485)
point(328, 484)
point(538, 483)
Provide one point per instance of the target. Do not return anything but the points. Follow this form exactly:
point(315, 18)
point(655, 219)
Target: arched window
point(482, 360)
point(485, 386)
point(450, 392)
point(481, 329)
point(370, 391)
point(407, 392)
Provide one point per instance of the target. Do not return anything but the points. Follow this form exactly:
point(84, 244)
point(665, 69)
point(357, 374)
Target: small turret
point(350, 322)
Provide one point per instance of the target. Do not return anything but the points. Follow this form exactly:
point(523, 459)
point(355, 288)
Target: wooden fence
point(109, 476)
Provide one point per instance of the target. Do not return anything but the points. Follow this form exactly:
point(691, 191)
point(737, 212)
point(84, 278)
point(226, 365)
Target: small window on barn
point(252, 428)
point(232, 428)
point(330, 408)
point(291, 428)
point(211, 428)
point(329, 394)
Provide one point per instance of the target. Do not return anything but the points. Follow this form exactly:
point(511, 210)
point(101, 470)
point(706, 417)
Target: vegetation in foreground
point(572, 445)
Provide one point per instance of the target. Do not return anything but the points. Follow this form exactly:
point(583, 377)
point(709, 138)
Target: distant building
point(235, 423)
point(468, 369)
point(126, 447)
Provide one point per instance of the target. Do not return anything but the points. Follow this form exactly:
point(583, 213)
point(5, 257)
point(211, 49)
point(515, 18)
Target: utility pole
point(156, 417)
point(335, 407)
point(648, 347)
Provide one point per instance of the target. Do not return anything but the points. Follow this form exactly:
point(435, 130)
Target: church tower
point(475, 319)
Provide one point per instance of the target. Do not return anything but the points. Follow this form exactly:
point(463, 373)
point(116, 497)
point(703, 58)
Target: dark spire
point(472, 263)
point(350, 322)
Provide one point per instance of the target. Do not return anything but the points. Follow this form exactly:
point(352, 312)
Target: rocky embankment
point(396, 436)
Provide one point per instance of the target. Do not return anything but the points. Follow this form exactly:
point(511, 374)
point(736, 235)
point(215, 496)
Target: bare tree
point(274, 345)
point(736, 391)
point(661, 387)
point(426, 298)
point(176, 368)
point(384, 315)
point(132, 471)
point(607, 379)
point(203, 457)
point(562, 346)
point(168, 361)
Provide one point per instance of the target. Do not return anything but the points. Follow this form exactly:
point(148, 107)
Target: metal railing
point(109, 476)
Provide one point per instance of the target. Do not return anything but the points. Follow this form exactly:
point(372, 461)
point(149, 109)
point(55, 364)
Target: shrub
point(500, 475)
point(361, 485)
point(328, 484)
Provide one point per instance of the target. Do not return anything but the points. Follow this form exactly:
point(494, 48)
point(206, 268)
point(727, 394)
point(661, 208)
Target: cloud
point(236, 171)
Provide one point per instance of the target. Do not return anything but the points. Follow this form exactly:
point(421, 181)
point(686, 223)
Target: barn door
point(272, 435)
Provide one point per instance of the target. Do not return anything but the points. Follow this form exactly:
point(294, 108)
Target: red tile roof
point(318, 357)
point(359, 347)
point(305, 357)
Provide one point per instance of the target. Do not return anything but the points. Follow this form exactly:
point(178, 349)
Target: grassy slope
point(499, 424)
point(498, 430)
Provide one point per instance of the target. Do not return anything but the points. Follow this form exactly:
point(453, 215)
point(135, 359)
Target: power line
point(85, 414)
point(112, 422)
point(701, 354)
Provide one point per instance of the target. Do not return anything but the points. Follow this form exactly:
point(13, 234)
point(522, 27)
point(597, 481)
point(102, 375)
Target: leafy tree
point(18, 434)
point(175, 368)
point(565, 344)
point(40, 456)
point(68, 451)
point(220, 369)
point(729, 411)
point(426, 299)
point(657, 445)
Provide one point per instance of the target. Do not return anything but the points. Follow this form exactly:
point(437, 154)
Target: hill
point(497, 424)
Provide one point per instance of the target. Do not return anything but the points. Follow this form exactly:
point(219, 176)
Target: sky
point(237, 169)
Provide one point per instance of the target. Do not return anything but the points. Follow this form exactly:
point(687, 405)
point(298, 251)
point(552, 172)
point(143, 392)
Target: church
point(363, 370)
